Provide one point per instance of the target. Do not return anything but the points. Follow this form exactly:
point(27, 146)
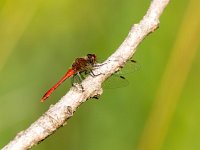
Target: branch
point(58, 114)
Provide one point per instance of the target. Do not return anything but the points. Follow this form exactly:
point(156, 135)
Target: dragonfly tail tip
point(42, 100)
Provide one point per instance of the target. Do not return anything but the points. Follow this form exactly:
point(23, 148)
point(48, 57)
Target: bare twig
point(58, 114)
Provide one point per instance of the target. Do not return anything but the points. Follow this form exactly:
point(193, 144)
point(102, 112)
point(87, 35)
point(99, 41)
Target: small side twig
point(58, 114)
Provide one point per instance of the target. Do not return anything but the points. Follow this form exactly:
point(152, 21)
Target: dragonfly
point(81, 65)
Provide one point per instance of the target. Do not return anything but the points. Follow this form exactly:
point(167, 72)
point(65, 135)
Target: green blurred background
point(158, 110)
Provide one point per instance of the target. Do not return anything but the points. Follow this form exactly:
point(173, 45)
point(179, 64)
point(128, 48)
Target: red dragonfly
point(80, 65)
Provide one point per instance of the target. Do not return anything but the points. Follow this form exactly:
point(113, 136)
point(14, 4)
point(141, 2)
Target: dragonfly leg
point(76, 80)
point(93, 74)
point(99, 64)
point(80, 77)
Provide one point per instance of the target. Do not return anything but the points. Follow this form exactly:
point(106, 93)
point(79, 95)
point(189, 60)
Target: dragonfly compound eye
point(91, 58)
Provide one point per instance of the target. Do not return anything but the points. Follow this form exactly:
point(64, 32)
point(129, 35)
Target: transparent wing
point(115, 81)
point(130, 67)
point(118, 80)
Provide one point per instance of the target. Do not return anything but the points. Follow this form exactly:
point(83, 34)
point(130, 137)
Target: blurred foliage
point(40, 39)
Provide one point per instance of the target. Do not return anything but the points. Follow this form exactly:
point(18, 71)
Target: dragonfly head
point(91, 58)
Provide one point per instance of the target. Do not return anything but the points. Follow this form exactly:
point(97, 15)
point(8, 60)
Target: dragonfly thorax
point(84, 64)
